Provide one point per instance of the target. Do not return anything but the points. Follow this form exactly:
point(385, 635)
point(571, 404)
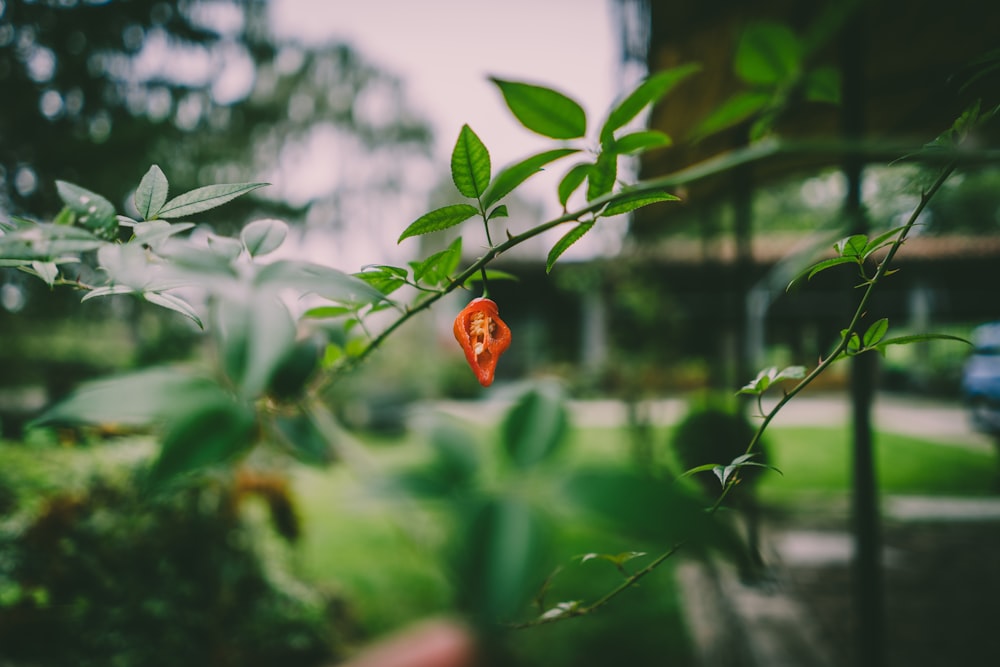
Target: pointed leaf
point(438, 268)
point(875, 332)
point(573, 179)
point(152, 232)
point(852, 246)
point(47, 271)
point(632, 202)
point(512, 176)
point(151, 194)
point(636, 142)
point(882, 240)
point(499, 212)
point(263, 236)
point(174, 303)
point(470, 164)
point(733, 111)
point(438, 219)
point(92, 211)
point(647, 92)
point(812, 270)
point(543, 110)
point(318, 279)
point(107, 291)
point(602, 175)
point(204, 199)
point(563, 244)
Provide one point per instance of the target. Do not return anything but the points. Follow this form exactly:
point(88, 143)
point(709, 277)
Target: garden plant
point(283, 331)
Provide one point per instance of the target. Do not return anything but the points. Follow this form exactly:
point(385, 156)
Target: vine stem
point(880, 272)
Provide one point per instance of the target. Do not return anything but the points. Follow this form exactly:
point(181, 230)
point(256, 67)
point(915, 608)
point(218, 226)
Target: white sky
point(444, 50)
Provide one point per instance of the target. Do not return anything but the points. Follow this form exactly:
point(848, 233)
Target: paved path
point(922, 418)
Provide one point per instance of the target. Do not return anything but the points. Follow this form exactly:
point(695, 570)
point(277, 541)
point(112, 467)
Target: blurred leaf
point(640, 141)
point(324, 312)
point(212, 433)
point(647, 92)
point(543, 110)
point(563, 244)
point(152, 232)
point(470, 164)
point(823, 85)
point(299, 435)
point(92, 211)
point(499, 562)
point(618, 560)
point(918, 338)
point(174, 303)
point(47, 271)
point(261, 237)
point(733, 111)
point(224, 247)
point(438, 219)
point(204, 199)
point(602, 175)
point(573, 179)
point(295, 369)
point(453, 468)
point(491, 275)
point(535, 427)
point(152, 193)
point(512, 176)
point(270, 338)
point(135, 399)
point(768, 54)
point(632, 202)
point(322, 280)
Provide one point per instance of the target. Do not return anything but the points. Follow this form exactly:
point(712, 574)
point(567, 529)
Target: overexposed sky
point(444, 50)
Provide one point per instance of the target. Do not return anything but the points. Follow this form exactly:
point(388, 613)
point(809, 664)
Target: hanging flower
point(483, 336)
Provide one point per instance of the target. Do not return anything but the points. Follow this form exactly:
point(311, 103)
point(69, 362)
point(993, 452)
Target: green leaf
point(174, 303)
point(151, 194)
point(92, 211)
point(298, 434)
point(563, 244)
point(602, 175)
point(385, 279)
point(813, 269)
point(211, 434)
point(535, 427)
point(647, 92)
point(325, 281)
point(109, 290)
point(135, 399)
point(636, 142)
point(325, 312)
point(631, 202)
point(204, 199)
point(875, 332)
point(732, 112)
point(45, 241)
point(47, 271)
point(438, 268)
point(918, 338)
point(491, 275)
point(500, 561)
point(823, 85)
point(512, 176)
point(261, 237)
point(768, 54)
point(470, 164)
point(153, 232)
point(573, 179)
point(852, 246)
point(884, 239)
point(439, 219)
point(499, 212)
point(543, 110)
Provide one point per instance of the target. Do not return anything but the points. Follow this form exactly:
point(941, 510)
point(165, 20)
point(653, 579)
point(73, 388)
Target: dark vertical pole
point(869, 605)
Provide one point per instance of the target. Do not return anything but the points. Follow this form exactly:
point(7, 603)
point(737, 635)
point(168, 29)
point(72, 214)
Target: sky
point(444, 51)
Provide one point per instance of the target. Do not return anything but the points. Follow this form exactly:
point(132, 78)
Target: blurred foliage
point(92, 572)
point(201, 88)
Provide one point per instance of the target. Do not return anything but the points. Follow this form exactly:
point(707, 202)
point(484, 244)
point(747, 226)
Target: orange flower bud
point(483, 336)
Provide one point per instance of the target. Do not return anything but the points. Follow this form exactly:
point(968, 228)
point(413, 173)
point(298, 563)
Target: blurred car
point(981, 379)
